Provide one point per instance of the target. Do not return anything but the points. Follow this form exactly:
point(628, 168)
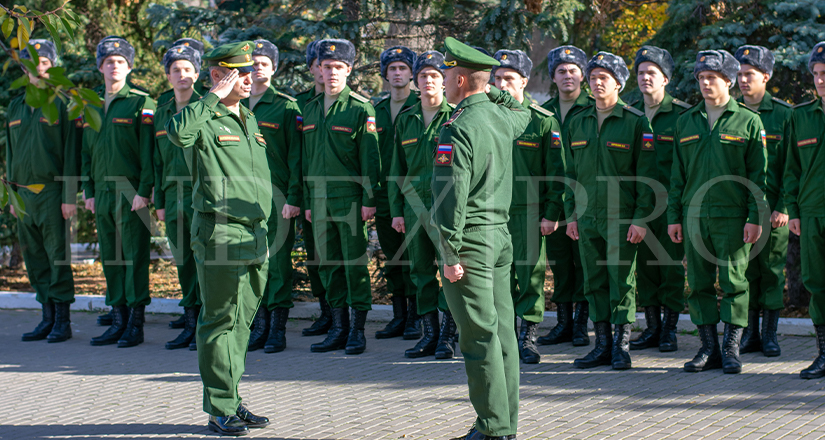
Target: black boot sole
point(34, 338)
point(644, 346)
point(327, 349)
point(808, 375)
point(62, 339)
point(176, 346)
point(664, 348)
point(733, 369)
point(444, 355)
point(354, 351)
point(273, 349)
point(214, 428)
point(599, 363)
point(772, 354)
point(127, 344)
point(706, 367)
point(419, 354)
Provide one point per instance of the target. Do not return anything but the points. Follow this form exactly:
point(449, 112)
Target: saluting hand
point(225, 86)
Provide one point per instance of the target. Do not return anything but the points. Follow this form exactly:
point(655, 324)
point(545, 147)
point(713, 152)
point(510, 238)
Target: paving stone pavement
point(73, 390)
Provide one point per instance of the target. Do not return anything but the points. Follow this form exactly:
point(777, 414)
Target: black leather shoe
point(251, 420)
point(260, 329)
point(770, 343)
point(120, 314)
point(601, 353)
point(446, 337)
point(709, 356)
point(650, 336)
point(276, 342)
point(563, 331)
point(667, 338)
point(180, 322)
point(731, 364)
point(528, 352)
point(356, 341)
point(429, 342)
point(412, 329)
point(475, 435)
point(106, 319)
point(751, 342)
point(229, 425)
point(193, 346)
point(620, 355)
point(323, 323)
point(580, 318)
point(186, 337)
point(337, 336)
point(395, 328)
point(133, 335)
point(62, 328)
point(817, 368)
point(45, 326)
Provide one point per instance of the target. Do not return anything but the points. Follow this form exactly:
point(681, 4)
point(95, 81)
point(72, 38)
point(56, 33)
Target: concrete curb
point(379, 313)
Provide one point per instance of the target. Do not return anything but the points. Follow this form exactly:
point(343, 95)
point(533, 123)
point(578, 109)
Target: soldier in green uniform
point(117, 162)
point(341, 175)
point(534, 209)
point(279, 120)
point(39, 152)
point(232, 198)
point(566, 65)
point(324, 321)
point(199, 86)
point(173, 186)
point(661, 276)
point(766, 270)
point(804, 180)
point(472, 189)
point(717, 195)
point(610, 201)
point(410, 193)
point(396, 68)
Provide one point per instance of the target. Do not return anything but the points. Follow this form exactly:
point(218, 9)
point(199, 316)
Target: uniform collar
point(170, 104)
point(418, 108)
point(732, 106)
point(472, 99)
point(765, 105)
point(122, 93)
point(344, 96)
point(617, 109)
point(269, 95)
point(665, 106)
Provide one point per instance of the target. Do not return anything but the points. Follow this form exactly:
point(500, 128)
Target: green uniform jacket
point(554, 105)
point(538, 153)
point(734, 147)
point(776, 119)
point(302, 98)
point(386, 132)
point(38, 152)
point(124, 146)
point(169, 95)
point(664, 125)
point(169, 159)
point(280, 121)
point(230, 169)
point(341, 145)
point(473, 174)
point(414, 150)
point(614, 152)
point(805, 172)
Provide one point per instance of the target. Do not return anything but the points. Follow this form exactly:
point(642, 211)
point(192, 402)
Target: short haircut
point(476, 79)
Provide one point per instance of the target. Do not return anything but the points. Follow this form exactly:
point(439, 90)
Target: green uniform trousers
point(281, 238)
point(565, 261)
point(124, 248)
point(423, 255)
point(529, 264)
point(42, 233)
point(232, 265)
point(660, 283)
point(609, 264)
point(766, 272)
point(313, 261)
point(179, 215)
point(812, 251)
point(721, 238)
point(341, 240)
point(482, 307)
point(396, 268)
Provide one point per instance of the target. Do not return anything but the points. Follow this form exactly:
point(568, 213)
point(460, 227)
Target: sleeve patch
point(342, 128)
point(78, 122)
point(371, 124)
point(764, 137)
point(148, 112)
point(806, 142)
point(299, 122)
point(647, 141)
point(444, 155)
point(556, 136)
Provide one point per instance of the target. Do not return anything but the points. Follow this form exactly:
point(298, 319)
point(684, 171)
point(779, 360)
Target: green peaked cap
point(232, 56)
point(462, 55)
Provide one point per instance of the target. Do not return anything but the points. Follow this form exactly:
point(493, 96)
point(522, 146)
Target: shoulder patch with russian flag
point(78, 122)
point(299, 122)
point(647, 142)
point(444, 155)
point(148, 116)
point(371, 125)
point(764, 136)
point(556, 136)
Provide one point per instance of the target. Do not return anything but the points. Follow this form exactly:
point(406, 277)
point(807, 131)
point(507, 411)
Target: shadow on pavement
point(120, 431)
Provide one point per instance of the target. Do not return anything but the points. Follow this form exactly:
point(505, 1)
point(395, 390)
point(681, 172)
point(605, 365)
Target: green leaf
point(16, 201)
point(8, 26)
point(34, 97)
point(75, 109)
point(93, 118)
point(23, 32)
point(21, 8)
point(50, 112)
point(90, 96)
point(50, 23)
point(33, 53)
point(30, 66)
point(19, 82)
point(6, 65)
point(68, 28)
point(4, 196)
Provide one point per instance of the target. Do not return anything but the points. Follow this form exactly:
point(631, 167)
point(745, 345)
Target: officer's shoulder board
point(358, 97)
point(453, 118)
point(538, 109)
point(743, 106)
point(780, 102)
point(377, 103)
point(804, 104)
point(137, 91)
point(452, 106)
point(285, 96)
point(681, 103)
point(635, 111)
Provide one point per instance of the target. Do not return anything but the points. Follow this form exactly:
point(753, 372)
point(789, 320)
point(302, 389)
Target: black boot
point(650, 336)
point(106, 319)
point(229, 425)
point(62, 329)
point(667, 338)
point(601, 353)
point(251, 420)
point(260, 329)
point(751, 342)
point(356, 341)
point(731, 364)
point(709, 356)
point(180, 322)
point(395, 328)
point(338, 332)
point(580, 337)
point(190, 323)
point(277, 330)
point(621, 347)
point(427, 344)
point(817, 369)
point(323, 323)
point(527, 350)
point(133, 335)
point(770, 344)
point(563, 331)
point(120, 314)
point(412, 329)
point(193, 346)
point(45, 326)
point(446, 338)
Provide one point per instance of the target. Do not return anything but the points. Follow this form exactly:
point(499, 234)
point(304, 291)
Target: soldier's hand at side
point(68, 210)
point(752, 233)
point(367, 213)
point(225, 86)
point(573, 230)
point(290, 211)
point(635, 234)
point(90, 204)
point(795, 226)
point(548, 227)
point(453, 273)
point(398, 225)
point(308, 215)
point(139, 202)
point(12, 211)
point(778, 219)
point(161, 214)
point(675, 232)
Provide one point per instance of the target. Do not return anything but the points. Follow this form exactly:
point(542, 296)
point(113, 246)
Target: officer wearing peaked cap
point(660, 274)
point(723, 140)
point(41, 152)
point(232, 200)
point(472, 177)
point(766, 271)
